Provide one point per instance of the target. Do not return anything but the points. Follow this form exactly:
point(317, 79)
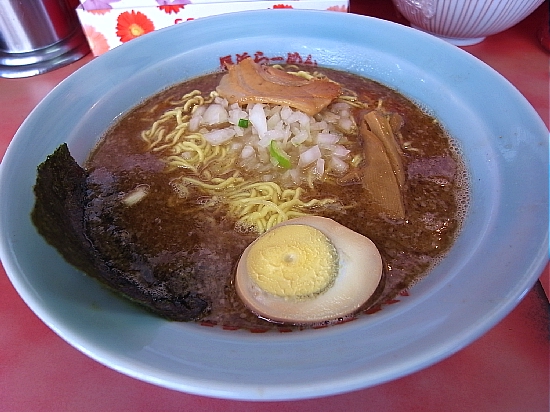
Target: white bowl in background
point(497, 258)
point(465, 22)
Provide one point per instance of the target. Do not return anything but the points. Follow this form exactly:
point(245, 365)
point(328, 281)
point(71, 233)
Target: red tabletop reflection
point(507, 369)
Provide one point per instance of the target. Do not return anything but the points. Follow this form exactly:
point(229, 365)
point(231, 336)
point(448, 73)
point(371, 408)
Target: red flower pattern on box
point(132, 24)
point(97, 41)
point(169, 7)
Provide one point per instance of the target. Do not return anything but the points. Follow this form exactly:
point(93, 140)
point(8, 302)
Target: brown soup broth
point(184, 235)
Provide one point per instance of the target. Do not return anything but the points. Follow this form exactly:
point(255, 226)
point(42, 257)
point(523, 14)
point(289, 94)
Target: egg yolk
point(293, 261)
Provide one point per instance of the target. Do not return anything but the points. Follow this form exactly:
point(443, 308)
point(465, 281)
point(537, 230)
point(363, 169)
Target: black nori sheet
point(61, 195)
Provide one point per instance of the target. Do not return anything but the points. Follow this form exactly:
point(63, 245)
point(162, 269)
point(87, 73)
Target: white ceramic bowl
point(497, 258)
point(465, 22)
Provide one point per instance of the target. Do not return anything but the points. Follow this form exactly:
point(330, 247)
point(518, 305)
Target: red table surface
point(507, 369)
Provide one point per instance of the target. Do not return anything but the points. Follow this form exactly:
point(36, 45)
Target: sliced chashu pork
point(250, 82)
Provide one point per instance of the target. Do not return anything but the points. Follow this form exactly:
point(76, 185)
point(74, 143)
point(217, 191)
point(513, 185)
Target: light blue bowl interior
point(496, 259)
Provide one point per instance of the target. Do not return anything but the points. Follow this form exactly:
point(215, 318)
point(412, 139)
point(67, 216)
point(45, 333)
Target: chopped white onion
point(300, 138)
point(214, 114)
point(247, 152)
point(236, 146)
point(339, 150)
point(286, 112)
point(219, 136)
point(258, 120)
point(221, 101)
point(295, 175)
point(338, 165)
point(274, 135)
point(196, 118)
point(325, 139)
point(314, 141)
point(319, 167)
point(299, 117)
point(309, 156)
point(331, 117)
point(346, 124)
point(338, 107)
point(319, 125)
point(264, 143)
point(199, 111)
point(136, 195)
point(236, 114)
point(275, 122)
point(239, 131)
point(194, 123)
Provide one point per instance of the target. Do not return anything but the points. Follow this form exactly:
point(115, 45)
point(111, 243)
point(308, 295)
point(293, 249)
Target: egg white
point(359, 273)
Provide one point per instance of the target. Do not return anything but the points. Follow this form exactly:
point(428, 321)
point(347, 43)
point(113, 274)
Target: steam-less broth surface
point(165, 235)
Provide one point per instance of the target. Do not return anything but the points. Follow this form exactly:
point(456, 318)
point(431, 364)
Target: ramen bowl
point(465, 22)
point(496, 259)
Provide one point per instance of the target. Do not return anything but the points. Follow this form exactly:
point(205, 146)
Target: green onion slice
point(280, 156)
point(243, 123)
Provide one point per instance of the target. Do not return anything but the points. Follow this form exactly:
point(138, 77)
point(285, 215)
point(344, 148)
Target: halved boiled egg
point(306, 270)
